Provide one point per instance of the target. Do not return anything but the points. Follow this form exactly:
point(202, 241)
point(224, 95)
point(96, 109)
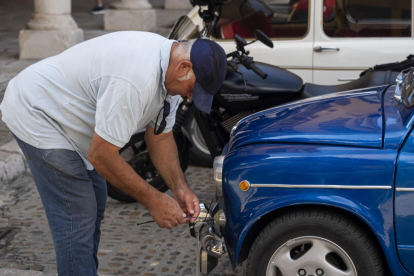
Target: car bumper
point(210, 243)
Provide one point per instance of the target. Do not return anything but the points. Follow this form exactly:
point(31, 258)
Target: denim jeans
point(74, 201)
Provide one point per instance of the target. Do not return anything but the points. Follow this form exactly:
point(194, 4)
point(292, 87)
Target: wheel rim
point(305, 256)
point(197, 138)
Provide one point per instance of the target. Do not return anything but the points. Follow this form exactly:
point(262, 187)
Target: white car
point(322, 41)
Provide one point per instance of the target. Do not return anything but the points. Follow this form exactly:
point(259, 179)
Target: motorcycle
point(249, 87)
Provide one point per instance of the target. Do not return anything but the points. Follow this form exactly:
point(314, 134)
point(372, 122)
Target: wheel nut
point(319, 272)
point(302, 272)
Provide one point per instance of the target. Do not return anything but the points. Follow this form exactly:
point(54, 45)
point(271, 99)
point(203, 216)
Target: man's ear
point(183, 68)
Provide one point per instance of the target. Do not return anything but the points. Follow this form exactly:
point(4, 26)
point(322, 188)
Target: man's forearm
point(114, 169)
point(164, 156)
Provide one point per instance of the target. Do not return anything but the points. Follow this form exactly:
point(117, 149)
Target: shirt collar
point(165, 60)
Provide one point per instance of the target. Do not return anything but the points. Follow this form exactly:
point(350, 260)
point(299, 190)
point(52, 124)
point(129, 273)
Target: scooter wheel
point(135, 153)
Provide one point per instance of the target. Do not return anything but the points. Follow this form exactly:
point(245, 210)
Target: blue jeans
point(74, 200)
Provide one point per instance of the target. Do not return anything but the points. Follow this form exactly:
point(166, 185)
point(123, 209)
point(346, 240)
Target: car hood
point(352, 118)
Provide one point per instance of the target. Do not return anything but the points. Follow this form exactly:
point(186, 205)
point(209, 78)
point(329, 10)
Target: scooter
point(249, 87)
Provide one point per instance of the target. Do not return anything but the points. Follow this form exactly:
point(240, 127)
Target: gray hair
point(182, 52)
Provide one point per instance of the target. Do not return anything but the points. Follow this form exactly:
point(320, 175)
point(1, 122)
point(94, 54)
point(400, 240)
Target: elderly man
point(71, 113)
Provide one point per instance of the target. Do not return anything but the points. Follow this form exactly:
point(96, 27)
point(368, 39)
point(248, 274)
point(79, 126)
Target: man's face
point(184, 88)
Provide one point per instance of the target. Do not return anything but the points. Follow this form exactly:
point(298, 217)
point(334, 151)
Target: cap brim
point(202, 99)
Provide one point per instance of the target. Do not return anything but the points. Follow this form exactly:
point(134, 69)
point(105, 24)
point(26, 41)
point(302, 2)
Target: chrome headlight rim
point(218, 174)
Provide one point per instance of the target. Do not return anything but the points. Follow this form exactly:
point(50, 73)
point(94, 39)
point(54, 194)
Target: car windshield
point(184, 29)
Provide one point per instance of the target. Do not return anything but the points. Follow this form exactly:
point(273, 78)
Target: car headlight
point(218, 174)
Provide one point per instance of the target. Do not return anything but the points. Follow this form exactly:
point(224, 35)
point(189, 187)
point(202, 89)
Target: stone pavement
point(126, 249)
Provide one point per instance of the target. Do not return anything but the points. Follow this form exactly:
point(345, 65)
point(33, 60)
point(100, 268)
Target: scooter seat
point(370, 79)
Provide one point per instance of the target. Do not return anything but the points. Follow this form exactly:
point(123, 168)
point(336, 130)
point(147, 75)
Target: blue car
point(323, 186)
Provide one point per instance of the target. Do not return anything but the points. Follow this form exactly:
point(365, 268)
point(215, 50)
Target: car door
point(353, 35)
point(404, 204)
point(287, 22)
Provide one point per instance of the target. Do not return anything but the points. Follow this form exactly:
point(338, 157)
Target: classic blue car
point(323, 186)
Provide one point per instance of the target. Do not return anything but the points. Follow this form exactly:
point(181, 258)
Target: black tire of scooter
point(197, 156)
point(184, 155)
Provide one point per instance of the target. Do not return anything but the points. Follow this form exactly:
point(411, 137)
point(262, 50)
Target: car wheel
point(313, 243)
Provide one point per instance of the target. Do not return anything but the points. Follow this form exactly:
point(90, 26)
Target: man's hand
point(188, 202)
point(107, 161)
point(166, 212)
point(164, 156)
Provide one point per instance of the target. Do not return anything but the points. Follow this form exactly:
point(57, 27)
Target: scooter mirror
point(262, 37)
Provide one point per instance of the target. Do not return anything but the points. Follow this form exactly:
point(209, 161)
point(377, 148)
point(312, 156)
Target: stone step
point(18, 272)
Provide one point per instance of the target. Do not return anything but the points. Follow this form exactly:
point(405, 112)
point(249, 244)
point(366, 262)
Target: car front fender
point(356, 180)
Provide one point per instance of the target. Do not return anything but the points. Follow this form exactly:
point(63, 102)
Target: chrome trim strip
point(405, 189)
point(352, 187)
point(347, 79)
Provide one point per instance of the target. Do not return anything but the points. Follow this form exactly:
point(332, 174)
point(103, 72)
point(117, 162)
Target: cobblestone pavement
point(126, 249)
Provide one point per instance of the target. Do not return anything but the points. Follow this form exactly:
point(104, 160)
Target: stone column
point(178, 5)
point(136, 15)
point(50, 31)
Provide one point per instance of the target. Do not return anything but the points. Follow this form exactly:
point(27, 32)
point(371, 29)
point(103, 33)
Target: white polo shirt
point(113, 85)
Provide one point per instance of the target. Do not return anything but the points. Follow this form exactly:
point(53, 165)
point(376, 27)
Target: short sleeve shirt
point(112, 85)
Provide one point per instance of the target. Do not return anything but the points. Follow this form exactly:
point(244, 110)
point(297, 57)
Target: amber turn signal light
point(244, 185)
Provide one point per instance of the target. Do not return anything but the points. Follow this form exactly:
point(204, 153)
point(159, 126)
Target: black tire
point(137, 147)
point(319, 226)
point(198, 149)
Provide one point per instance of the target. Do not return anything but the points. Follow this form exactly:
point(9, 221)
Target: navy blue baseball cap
point(210, 67)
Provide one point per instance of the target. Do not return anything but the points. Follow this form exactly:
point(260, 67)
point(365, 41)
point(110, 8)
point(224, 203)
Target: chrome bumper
point(210, 244)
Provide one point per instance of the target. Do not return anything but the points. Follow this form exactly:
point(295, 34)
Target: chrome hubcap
point(306, 256)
